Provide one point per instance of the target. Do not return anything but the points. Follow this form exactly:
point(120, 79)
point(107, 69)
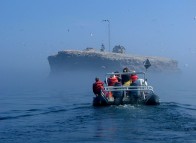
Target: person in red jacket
point(112, 80)
point(98, 86)
point(134, 77)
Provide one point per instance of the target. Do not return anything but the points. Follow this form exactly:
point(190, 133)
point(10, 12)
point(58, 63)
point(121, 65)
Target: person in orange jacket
point(112, 80)
point(98, 86)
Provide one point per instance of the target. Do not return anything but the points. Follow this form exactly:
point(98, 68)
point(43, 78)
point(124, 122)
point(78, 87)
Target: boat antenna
point(147, 64)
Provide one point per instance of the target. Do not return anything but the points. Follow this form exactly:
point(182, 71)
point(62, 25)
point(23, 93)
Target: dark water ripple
point(15, 114)
point(168, 122)
point(58, 116)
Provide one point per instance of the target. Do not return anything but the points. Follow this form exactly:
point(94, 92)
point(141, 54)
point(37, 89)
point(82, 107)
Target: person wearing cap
point(125, 77)
point(98, 85)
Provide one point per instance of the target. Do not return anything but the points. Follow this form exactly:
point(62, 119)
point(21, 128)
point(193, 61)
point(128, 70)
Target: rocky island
point(93, 60)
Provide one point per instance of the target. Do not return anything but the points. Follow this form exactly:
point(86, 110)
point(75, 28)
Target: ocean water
point(59, 110)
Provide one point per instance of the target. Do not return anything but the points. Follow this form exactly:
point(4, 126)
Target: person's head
point(96, 79)
point(117, 73)
point(133, 72)
point(126, 70)
point(112, 75)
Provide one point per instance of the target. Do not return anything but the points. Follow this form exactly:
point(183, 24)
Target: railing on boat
point(128, 88)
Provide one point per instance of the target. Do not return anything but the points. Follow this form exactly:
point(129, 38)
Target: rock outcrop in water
point(106, 61)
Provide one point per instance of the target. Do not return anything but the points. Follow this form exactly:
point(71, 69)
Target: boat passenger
point(98, 86)
point(134, 77)
point(125, 77)
point(134, 93)
point(137, 80)
point(118, 94)
point(118, 83)
point(112, 80)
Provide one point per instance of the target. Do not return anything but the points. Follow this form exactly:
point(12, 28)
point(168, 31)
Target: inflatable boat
point(140, 93)
point(144, 95)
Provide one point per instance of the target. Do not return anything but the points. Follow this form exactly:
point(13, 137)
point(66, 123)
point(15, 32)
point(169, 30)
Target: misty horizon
point(33, 30)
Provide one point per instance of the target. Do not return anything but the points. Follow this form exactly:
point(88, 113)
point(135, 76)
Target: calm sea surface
point(59, 110)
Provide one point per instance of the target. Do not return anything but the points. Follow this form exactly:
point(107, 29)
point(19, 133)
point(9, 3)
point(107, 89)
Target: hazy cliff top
point(111, 56)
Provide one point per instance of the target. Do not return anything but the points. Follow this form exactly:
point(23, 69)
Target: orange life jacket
point(112, 81)
point(97, 86)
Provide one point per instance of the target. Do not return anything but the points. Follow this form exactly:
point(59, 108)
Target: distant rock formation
point(106, 61)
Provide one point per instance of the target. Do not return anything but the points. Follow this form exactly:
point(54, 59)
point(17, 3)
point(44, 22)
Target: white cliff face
point(93, 60)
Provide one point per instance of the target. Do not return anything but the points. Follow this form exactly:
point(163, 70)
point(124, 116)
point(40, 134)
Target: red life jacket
point(97, 86)
point(112, 81)
point(134, 78)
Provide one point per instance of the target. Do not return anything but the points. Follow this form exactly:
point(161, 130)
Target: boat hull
point(149, 99)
